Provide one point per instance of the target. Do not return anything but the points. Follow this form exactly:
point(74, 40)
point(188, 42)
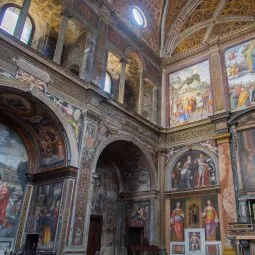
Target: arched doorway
point(35, 156)
point(122, 214)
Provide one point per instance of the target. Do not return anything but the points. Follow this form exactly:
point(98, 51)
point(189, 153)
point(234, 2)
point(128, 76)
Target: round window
point(139, 17)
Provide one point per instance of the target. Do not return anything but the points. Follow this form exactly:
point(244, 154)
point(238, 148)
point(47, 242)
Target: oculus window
point(9, 19)
point(139, 17)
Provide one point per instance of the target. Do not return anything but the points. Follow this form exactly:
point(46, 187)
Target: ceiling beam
point(216, 14)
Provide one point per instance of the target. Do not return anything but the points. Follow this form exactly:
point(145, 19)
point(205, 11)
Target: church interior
point(127, 127)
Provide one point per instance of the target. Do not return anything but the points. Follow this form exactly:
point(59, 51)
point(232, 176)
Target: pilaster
point(88, 59)
point(22, 19)
point(220, 100)
point(141, 92)
point(122, 80)
point(61, 40)
point(84, 187)
point(100, 63)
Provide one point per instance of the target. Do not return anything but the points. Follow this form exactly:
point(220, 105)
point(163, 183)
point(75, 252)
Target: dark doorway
point(135, 239)
point(95, 232)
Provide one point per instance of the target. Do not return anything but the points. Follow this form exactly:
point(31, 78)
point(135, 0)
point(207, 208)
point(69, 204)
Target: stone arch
point(247, 113)
point(129, 138)
point(174, 30)
point(171, 164)
point(137, 56)
point(59, 116)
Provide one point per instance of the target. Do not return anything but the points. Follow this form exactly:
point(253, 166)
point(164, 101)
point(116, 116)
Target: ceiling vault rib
point(216, 14)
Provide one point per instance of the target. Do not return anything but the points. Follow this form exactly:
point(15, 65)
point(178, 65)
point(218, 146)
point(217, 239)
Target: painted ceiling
point(152, 10)
point(191, 24)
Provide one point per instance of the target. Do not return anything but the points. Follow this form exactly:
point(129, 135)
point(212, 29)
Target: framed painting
point(240, 66)
point(246, 144)
point(194, 241)
point(177, 248)
point(190, 94)
point(213, 248)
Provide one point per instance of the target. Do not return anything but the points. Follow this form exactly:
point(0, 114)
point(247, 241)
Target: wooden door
point(95, 232)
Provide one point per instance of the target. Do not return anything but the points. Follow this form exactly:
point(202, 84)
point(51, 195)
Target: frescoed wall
point(13, 166)
point(138, 216)
point(45, 214)
point(190, 94)
point(247, 158)
point(194, 223)
point(46, 132)
point(240, 64)
point(105, 203)
point(194, 169)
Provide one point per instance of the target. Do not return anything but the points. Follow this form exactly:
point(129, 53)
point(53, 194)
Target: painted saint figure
point(203, 173)
point(194, 242)
point(177, 223)
point(211, 221)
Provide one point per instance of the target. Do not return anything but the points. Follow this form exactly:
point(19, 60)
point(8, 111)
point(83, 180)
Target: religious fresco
point(240, 64)
point(13, 166)
point(190, 94)
point(247, 158)
point(138, 216)
point(194, 222)
point(73, 114)
point(195, 169)
point(50, 139)
point(45, 214)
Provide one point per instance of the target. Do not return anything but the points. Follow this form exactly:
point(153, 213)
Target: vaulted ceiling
point(152, 10)
point(194, 23)
point(178, 26)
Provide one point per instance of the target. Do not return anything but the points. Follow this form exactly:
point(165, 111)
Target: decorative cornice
point(195, 192)
point(55, 174)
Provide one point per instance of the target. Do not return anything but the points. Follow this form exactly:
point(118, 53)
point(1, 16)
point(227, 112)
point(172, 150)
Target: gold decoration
point(191, 42)
point(203, 12)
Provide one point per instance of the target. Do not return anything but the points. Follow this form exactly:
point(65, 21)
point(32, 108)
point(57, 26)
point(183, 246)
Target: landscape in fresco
point(45, 214)
point(240, 64)
point(13, 166)
point(247, 158)
point(190, 94)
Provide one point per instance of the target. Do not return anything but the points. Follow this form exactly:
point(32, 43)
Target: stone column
point(154, 104)
point(22, 19)
point(88, 59)
point(162, 215)
point(141, 94)
point(100, 64)
point(164, 99)
point(122, 81)
point(227, 198)
point(219, 90)
point(61, 40)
